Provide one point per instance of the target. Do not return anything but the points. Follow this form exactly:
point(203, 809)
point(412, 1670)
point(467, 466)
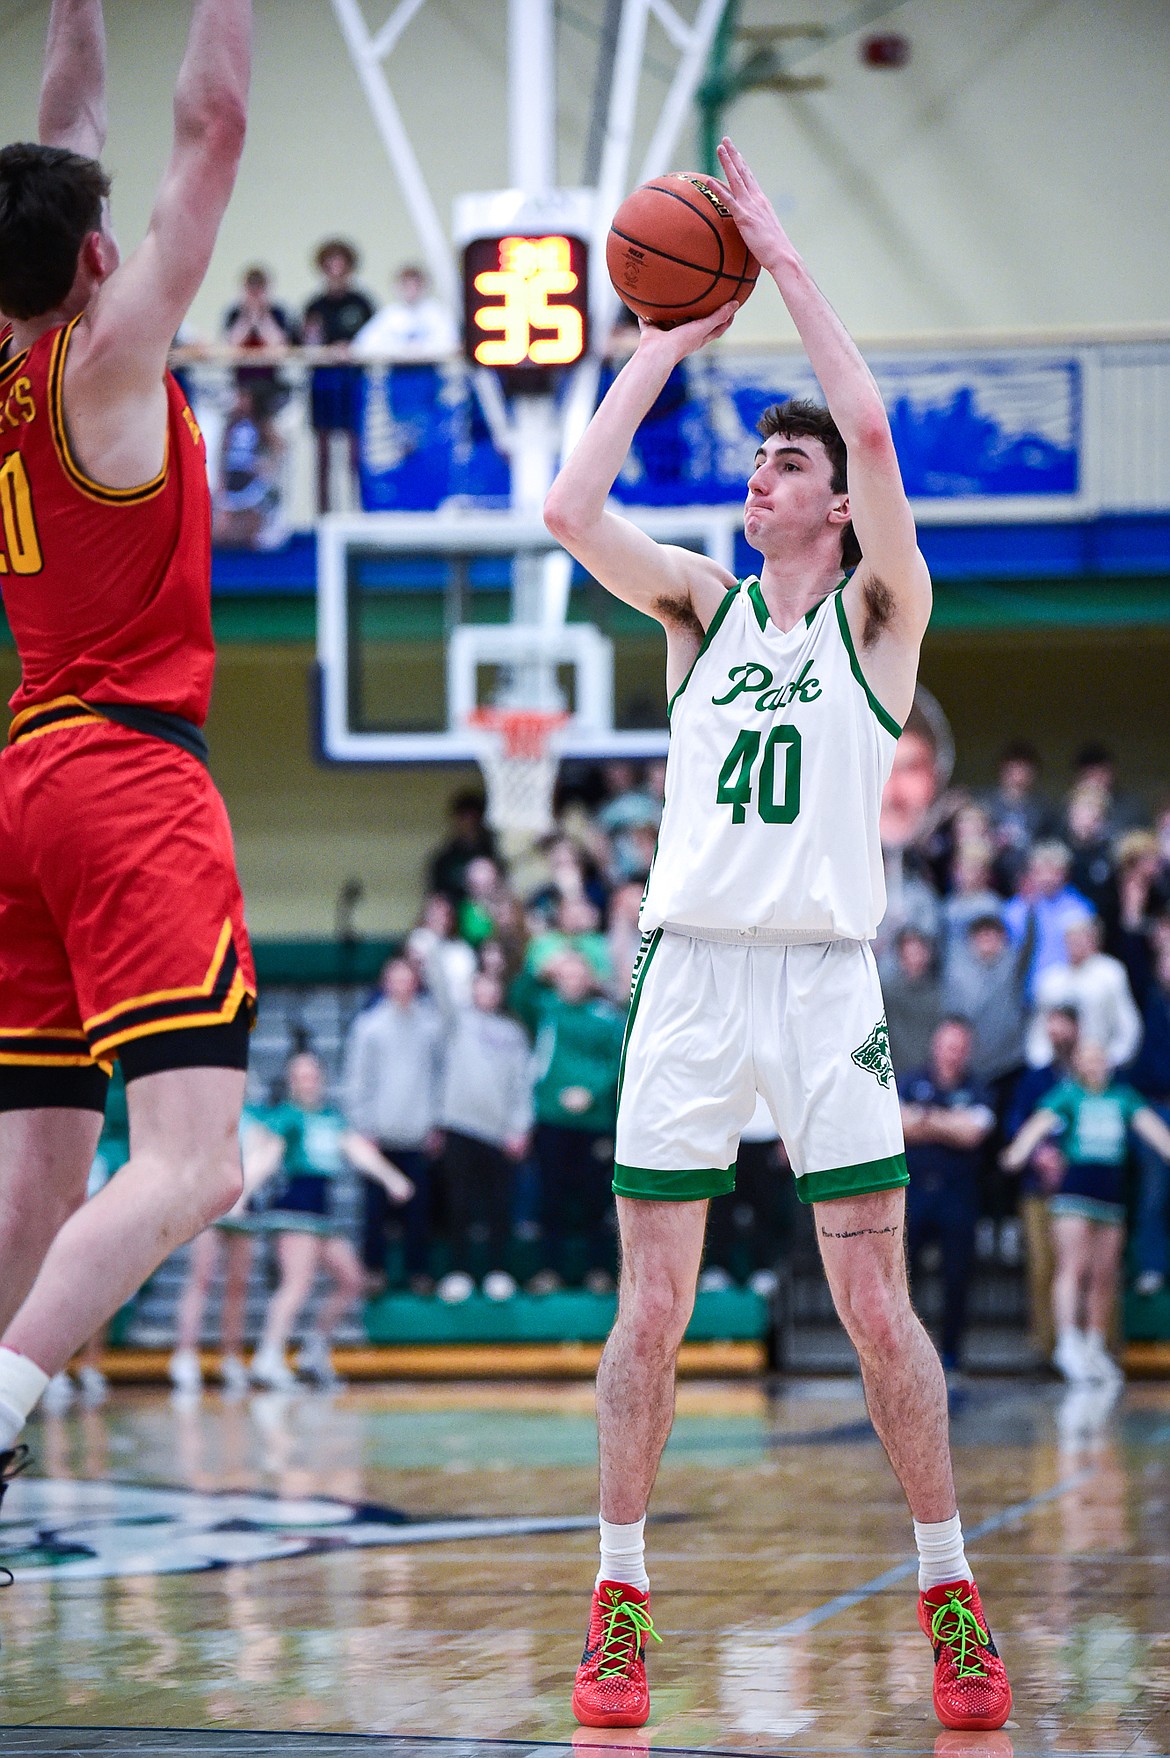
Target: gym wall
point(1012, 175)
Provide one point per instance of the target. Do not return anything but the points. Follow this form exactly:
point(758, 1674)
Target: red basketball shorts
point(121, 915)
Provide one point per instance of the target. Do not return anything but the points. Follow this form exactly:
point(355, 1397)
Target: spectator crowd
point(347, 332)
point(1026, 967)
point(487, 1069)
point(1026, 970)
point(1025, 960)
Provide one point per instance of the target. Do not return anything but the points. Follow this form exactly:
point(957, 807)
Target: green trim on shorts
point(860, 1180)
point(1089, 1208)
point(652, 1184)
point(646, 953)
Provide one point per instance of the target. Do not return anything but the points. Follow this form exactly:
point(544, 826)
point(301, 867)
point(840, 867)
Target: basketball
point(674, 252)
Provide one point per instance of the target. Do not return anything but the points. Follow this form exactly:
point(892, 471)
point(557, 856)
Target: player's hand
point(751, 210)
point(686, 339)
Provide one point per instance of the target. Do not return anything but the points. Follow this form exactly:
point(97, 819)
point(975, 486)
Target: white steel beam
point(581, 400)
point(367, 61)
point(532, 96)
point(687, 79)
point(387, 37)
point(676, 28)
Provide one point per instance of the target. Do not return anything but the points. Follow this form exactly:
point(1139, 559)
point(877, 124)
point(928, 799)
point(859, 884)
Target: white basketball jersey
point(779, 752)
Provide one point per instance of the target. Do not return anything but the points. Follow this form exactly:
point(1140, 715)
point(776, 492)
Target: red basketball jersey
point(108, 591)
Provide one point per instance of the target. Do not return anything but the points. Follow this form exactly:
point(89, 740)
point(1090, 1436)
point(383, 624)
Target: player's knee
point(225, 1185)
point(874, 1312)
point(33, 1208)
point(212, 1182)
point(657, 1312)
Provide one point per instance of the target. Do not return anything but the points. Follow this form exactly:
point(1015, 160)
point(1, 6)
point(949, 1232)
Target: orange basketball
point(674, 252)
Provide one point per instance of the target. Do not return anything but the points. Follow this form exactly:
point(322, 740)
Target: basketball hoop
point(519, 753)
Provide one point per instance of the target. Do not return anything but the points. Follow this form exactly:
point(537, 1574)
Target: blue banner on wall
point(424, 440)
point(967, 427)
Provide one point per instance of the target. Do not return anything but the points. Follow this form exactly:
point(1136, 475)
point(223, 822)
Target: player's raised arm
point(73, 110)
point(132, 321)
point(890, 595)
point(657, 578)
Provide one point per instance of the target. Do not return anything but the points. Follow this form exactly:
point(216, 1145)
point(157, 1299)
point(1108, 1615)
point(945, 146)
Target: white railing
point(993, 427)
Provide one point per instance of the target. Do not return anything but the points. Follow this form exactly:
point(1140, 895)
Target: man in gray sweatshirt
point(486, 1114)
point(985, 981)
point(391, 1083)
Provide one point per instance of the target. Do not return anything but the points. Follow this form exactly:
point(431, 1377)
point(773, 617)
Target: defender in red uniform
point(121, 922)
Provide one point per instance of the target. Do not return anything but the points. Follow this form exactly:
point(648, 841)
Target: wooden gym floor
point(408, 1568)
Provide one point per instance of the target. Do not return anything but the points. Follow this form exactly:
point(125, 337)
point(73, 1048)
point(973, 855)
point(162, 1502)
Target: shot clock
point(525, 299)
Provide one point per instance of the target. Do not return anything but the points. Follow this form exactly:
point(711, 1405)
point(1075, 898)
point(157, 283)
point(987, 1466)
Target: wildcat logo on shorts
point(874, 1054)
point(63, 1529)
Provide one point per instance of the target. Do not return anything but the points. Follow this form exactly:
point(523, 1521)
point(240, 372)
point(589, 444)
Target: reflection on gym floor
point(416, 1562)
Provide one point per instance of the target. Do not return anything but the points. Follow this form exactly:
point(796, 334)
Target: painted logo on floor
point(63, 1530)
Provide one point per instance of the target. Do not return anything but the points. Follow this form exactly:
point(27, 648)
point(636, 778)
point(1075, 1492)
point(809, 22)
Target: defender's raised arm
point(73, 110)
point(135, 315)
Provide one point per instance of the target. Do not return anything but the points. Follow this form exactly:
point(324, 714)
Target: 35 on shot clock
point(525, 302)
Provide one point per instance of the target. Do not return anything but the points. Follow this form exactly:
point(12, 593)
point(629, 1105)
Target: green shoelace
point(616, 1644)
point(965, 1632)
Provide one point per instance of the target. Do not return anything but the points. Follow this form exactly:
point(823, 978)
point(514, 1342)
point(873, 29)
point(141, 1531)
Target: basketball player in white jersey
point(787, 694)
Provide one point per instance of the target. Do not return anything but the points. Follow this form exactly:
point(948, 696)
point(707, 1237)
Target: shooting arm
point(657, 578)
point(73, 110)
point(893, 575)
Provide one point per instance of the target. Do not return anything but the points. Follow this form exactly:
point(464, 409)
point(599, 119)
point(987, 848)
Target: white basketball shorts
point(711, 1024)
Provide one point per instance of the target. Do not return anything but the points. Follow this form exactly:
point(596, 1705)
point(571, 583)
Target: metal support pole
point(532, 85)
point(388, 121)
point(713, 91)
point(681, 95)
point(602, 86)
point(582, 396)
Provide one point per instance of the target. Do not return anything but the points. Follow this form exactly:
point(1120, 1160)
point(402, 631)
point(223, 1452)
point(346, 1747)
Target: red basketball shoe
point(611, 1688)
point(971, 1687)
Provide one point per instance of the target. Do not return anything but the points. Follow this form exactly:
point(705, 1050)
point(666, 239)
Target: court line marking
point(890, 1577)
point(233, 1741)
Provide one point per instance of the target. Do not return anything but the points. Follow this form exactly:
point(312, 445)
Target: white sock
point(623, 1554)
point(940, 1552)
point(21, 1384)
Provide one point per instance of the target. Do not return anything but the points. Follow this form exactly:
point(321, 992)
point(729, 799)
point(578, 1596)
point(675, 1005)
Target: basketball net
point(518, 750)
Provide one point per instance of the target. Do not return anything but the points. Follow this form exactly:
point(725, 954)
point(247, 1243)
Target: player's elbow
point(562, 520)
point(215, 124)
point(870, 436)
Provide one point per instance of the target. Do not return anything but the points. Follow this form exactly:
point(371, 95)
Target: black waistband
point(171, 728)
